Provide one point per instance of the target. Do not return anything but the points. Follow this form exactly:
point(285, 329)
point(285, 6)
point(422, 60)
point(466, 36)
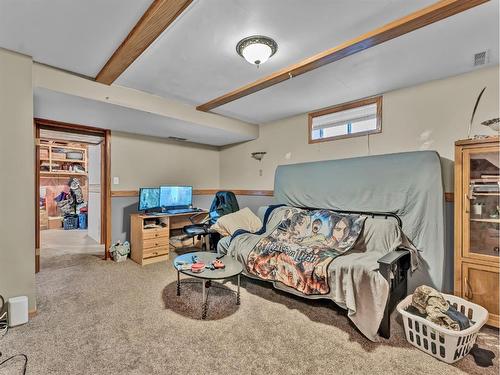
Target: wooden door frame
point(39, 123)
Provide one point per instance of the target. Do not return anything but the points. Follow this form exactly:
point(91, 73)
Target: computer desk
point(151, 245)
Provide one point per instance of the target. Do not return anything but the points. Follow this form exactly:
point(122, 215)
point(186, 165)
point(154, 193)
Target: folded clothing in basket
point(430, 304)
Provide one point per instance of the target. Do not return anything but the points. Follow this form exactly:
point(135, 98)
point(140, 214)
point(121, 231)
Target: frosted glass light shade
point(256, 49)
point(257, 53)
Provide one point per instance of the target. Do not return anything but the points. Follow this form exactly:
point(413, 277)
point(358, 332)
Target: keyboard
point(183, 210)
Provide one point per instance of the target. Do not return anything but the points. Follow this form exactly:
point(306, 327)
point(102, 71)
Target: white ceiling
point(440, 50)
point(73, 109)
point(75, 35)
point(195, 59)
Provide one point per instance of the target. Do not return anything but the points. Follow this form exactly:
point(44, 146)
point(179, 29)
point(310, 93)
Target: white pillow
point(243, 219)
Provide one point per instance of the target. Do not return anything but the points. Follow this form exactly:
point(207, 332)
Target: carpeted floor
point(97, 317)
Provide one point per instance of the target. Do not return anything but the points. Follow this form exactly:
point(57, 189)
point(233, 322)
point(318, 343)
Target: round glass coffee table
point(232, 268)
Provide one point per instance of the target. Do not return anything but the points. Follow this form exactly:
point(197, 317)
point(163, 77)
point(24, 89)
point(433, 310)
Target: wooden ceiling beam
point(416, 20)
point(160, 14)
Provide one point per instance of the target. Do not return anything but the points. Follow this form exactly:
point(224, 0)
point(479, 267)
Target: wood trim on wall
point(124, 193)
point(135, 193)
point(159, 15)
point(416, 20)
point(107, 196)
point(36, 134)
point(342, 107)
point(105, 181)
point(73, 128)
point(262, 193)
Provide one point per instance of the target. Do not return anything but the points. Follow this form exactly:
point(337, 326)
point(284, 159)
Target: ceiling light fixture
point(256, 49)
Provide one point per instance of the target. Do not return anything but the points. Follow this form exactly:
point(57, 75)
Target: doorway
point(72, 178)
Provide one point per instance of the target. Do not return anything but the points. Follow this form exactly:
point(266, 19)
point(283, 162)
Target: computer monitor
point(172, 197)
point(149, 198)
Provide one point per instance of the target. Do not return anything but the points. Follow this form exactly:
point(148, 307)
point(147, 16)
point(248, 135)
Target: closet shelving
point(54, 162)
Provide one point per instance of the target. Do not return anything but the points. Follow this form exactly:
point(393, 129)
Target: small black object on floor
point(482, 357)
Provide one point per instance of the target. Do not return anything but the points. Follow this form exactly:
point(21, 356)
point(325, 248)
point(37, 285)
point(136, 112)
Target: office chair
point(224, 203)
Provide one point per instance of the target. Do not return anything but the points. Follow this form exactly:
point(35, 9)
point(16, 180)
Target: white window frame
point(342, 107)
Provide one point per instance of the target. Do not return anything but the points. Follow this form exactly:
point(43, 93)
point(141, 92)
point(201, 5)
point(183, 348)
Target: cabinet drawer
point(481, 286)
point(155, 242)
point(148, 234)
point(154, 252)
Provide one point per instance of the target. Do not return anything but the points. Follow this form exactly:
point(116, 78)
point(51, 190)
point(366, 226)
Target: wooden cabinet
point(477, 223)
point(150, 234)
point(149, 239)
point(481, 286)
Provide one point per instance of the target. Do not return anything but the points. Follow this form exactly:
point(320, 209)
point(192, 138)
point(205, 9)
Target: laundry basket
point(446, 345)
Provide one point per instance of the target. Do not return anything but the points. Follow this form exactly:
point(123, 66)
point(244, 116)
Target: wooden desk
point(151, 245)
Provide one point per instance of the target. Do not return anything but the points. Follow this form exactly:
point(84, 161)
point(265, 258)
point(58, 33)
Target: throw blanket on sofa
point(354, 281)
point(299, 250)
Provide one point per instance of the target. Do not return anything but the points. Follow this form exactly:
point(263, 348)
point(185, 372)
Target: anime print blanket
point(300, 249)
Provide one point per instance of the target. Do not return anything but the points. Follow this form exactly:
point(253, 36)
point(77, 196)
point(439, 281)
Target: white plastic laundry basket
point(447, 345)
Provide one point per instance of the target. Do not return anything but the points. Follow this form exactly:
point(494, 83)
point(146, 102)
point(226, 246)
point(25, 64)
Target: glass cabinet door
point(481, 201)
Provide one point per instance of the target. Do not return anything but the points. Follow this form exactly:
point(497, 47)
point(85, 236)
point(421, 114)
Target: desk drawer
point(154, 252)
point(148, 234)
point(155, 242)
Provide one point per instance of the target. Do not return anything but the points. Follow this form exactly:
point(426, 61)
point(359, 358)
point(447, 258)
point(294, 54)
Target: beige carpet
point(99, 317)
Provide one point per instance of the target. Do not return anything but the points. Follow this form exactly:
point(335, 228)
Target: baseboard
point(32, 313)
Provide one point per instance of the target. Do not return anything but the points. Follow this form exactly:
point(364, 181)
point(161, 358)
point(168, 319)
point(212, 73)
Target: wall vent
point(179, 139)
point(481, 58)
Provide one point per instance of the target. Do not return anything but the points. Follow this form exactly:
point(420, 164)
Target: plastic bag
point(119, 251)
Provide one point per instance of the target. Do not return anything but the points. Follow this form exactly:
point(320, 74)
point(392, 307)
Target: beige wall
point(72, 84)
point(428, 116)
point(17, 211)
point(149, 161)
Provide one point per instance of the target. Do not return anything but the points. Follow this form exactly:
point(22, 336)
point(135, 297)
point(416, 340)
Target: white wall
point(17, 189)
point(72, 84)
point(429, 116)
point(141, 161)
point(94, 186)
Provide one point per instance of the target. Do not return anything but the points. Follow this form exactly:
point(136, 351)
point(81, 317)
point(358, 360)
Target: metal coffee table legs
point(204, 306)
point(238, 292)
point(205, 285)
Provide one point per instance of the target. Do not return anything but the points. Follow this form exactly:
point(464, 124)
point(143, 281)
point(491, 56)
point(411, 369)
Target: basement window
point(346, 120)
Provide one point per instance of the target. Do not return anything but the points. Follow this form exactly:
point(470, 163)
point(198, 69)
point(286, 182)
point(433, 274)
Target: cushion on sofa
point(243, 219)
